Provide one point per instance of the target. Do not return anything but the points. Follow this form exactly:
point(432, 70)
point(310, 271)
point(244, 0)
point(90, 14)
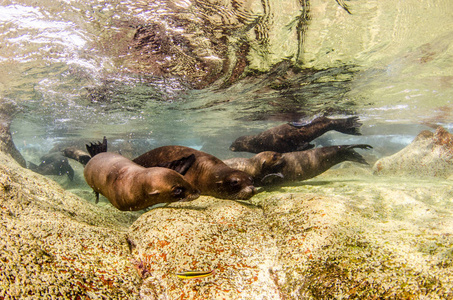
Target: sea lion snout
point(194, 194)
point(246, 193)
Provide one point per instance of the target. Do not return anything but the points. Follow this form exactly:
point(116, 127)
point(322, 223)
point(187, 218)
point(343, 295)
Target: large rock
point(344, 234)
point(55, 245)
point(336, 238)
point(430, 154)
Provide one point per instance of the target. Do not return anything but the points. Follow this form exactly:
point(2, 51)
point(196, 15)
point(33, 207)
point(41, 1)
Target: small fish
point(194, 274)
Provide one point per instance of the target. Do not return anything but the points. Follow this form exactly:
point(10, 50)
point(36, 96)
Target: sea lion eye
point(178, 192)
point(234, 182)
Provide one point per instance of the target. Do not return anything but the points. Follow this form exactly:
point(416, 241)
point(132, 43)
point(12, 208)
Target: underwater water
point(202, 73)
point(70, 69)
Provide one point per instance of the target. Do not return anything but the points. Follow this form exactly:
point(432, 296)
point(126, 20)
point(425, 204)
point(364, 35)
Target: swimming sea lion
point(77, 154)
point(258, 166)
point(53, 163)
point(294, 136)
point(129, 186)
point(208, 173)
point(303, 165)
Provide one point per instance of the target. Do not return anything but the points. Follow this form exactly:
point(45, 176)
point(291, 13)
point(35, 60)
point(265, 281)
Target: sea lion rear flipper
point(350, 154)
point(349, 125)
point(181, 165)
point(97, 148)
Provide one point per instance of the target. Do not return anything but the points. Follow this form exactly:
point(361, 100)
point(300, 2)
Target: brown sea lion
point(77, 154)
point(303, 165)
point(208, 173)
point(258, 166)
point(129, 186)
point(294, 136)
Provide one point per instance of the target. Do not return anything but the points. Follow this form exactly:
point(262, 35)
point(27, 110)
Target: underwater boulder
point(429, 154)
point(56, 245)
point(367, 238)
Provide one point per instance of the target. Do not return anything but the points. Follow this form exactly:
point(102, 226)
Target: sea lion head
point(235, 185)
point(239, 144)
point(269, 161)
point(171, 187)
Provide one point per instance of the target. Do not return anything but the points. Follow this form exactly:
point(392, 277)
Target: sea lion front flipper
point(181, 165)
point(271, 178)
point(97, 148)
point(96, 194)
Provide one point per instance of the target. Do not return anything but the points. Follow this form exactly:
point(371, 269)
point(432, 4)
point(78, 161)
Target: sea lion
point(129, 186)
point(208, 173)
point(294, 136)
point(258, 166)
point(76, 154)
point(303, 165)
point(53, 163)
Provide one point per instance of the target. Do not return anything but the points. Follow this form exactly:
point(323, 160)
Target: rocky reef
point(429, 154)
point(344, 234)
point(56, 245)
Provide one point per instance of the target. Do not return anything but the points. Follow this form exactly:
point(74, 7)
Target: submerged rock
point(430, 154)
point(322, 240)
point(56, 245)
point(343, 234)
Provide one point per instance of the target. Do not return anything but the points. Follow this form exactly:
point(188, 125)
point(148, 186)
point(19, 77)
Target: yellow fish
point(194, 274)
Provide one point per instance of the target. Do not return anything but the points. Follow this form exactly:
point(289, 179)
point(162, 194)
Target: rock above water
point(430, 154)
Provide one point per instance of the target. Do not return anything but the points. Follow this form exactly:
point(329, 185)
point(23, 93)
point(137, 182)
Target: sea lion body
point(294, 136)
point(258, 166)
point(53, 163)
point(303, 165)
point(208, 173)
point(129, 186)
point(76, 154)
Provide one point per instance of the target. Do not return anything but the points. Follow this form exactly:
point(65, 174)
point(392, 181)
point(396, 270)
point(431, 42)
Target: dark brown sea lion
point(208, 173)
point(294, 136)
point(303, 165)
point(129, 186)
point(53, 163)
point(258, 166)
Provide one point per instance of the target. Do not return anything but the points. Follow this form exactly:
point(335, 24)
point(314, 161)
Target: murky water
point(78, 71)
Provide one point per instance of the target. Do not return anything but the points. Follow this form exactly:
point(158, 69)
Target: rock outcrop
point(56, 245)
point(343, 234)
point(430, 154)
